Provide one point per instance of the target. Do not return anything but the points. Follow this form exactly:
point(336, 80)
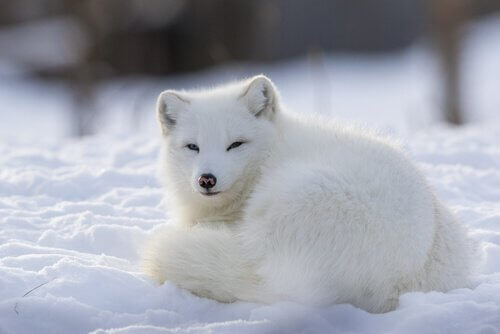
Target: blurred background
point(75, 68)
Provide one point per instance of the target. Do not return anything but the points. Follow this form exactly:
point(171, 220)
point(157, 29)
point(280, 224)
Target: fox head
point(216, 139)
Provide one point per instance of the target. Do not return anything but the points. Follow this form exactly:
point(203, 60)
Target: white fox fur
point(307, 211)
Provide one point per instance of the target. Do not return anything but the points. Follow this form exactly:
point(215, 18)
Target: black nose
point(207, 181)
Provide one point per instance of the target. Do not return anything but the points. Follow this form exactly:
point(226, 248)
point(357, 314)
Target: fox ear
point(168, 106)
point(261, 97)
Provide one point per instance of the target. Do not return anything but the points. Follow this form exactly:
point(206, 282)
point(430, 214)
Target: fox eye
point(235, 145)
point(193, 147)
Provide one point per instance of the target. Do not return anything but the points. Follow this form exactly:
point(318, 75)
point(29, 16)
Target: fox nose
point(207, 181)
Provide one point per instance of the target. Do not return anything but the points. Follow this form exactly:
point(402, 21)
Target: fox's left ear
point(261, 97)
point(168, 106)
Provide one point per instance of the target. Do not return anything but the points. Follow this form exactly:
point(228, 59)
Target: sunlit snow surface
point(74, 214)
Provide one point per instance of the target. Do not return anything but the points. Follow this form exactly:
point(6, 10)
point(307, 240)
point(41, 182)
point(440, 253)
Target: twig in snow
point(27, 293)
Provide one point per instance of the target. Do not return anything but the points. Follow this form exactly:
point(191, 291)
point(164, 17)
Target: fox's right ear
point(168, 106)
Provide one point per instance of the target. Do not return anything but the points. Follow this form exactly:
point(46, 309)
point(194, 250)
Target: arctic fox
point(271, 206)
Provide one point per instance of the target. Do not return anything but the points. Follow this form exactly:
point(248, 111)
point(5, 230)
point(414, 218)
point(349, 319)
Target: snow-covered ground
point(74, 214)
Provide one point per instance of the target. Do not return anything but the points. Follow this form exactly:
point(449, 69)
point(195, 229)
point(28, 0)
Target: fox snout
point(207, 181)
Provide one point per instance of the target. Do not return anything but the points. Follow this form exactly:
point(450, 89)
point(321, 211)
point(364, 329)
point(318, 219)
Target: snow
point(74, 214)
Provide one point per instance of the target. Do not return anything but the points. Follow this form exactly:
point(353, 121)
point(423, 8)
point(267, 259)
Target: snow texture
point(74, 214)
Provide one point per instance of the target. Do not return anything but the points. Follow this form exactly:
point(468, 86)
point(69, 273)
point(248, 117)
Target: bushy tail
point(454, 255)
point(208, 261)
